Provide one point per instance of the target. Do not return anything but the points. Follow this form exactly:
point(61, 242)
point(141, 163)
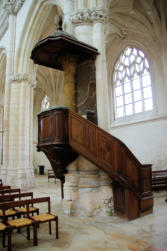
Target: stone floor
point(148, 233)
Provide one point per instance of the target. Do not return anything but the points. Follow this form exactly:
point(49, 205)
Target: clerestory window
point(45, 103)
point(132, 83)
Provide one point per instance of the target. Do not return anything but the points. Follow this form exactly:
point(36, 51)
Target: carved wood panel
point(119, 198)
point(53, 127)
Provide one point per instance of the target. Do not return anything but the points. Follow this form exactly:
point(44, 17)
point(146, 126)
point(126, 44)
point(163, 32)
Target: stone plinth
point(87, 190)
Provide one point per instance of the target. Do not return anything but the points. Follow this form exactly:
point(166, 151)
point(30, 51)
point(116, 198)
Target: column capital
point(89, 16)
point(12, 6)
point(19, 77)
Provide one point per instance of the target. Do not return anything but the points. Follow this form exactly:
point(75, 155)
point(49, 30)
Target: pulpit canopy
point(48, 51)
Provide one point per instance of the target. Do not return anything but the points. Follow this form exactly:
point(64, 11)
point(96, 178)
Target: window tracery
point(132, 83)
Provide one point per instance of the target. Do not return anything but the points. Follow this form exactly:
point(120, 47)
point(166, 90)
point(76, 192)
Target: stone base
point(87, 190)
point(18, 178)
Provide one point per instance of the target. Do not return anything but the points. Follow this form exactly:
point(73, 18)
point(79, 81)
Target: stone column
point(89, 28)
point(1, 132)
point(17, 167)
point(80, 4)
point(87, 190)
point(70, 188)
point(68, 8)
point(93, 187)
point(82, 26)
point(69, 64)
point(89, 203)
point(11, 12)
point(106, 194)
point(20, 169)
point(101, 69)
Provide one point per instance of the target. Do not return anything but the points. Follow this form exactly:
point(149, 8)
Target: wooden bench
point(51, 175)
point(28, 220)
point(159, 180)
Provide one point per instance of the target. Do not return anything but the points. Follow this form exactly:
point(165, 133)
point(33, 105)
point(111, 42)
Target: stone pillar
point(89, 27)
point(92, 4)
point(93, 191)
point(88, 203)
point(20, 169)
point(9, 7)
point(70, 188)
point(80, 4)
point(69, 64)
point(1, 132)
point(101, 69)
point(17, 169)
point(106, 194)
point(87, 190)
point(68, 8)
point(82, 26)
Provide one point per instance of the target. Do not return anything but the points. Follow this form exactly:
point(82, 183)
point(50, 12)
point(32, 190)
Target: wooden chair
point(46, 217)
point(21, 210)
point(28, 221)
point(9, 212)
point(10, 191)
point(18, 223)
point(5, 229)
point(4, 187)
point(31, 208)
point(159, 180)
point(51, 175)
point(1, 183)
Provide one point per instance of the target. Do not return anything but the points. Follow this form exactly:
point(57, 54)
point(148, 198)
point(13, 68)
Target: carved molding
point(13, 6)
point(89, 16)
point(19, 77)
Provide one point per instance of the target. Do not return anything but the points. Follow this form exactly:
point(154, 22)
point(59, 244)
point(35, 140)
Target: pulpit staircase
point(63, 134)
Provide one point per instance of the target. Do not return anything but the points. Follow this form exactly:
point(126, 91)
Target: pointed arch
point(131, 82)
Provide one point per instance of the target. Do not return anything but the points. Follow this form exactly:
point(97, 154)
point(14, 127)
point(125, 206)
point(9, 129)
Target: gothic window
point(45, 103)
point(132, 83)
